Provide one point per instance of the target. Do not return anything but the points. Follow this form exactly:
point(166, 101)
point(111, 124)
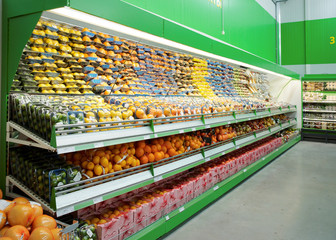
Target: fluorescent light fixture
point(70, 13)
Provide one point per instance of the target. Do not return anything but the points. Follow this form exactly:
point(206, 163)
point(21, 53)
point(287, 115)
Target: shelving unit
point(178, 216)
point(69, 200)
point(164, 60)
point(318, 108)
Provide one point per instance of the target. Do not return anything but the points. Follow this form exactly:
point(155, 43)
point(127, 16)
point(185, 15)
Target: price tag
point(207, 126)
point(249, 118)
point(237, 147)
point(181, 209)
point(263, 158)
point(97, 200)
point(158, 178)
point(228, 122)
point(215, 188)
point(98, 144)
point(207, 159)
point(155, 135)
point(193, 129)
point(181, 131)
point(244, 170)
point(167, 218)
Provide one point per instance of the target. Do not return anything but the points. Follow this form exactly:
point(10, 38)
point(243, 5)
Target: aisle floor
point(294, 197)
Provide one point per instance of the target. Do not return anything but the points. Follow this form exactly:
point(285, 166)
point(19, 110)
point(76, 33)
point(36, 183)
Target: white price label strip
point(181, 131)
point(155, 135)
point(167, 218)
point(215, 188)
point(65, 211)
point(263, 158)
point(193, 129)
point(207, 126)
point(237, 147)
point(244, 170)
point(207, 159)
point(181, 209)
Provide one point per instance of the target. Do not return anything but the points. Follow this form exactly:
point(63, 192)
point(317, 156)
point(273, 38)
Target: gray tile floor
point(294, 197)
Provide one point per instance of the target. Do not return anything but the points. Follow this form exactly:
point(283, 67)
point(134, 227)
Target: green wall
point(246, 24)
point(308, 42)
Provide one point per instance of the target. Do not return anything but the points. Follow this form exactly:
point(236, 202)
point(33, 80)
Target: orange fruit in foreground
point(151, 157)
point(38, 211)
point(139, 152)
point(44, 221)
point(6, 238)
point(21, 214)
point(21, 200)
point(17, 232)
point(1, 195)
point(56, 233)
point(98, 170)
point(3, 230)
point(3, 219)
point(41, 233)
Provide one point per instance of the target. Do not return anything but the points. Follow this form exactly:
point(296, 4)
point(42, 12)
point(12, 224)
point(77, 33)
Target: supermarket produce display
point(319, 109)
point(116, 135)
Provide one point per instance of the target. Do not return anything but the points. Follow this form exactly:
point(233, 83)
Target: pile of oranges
point(97, 162)
point(24, 220)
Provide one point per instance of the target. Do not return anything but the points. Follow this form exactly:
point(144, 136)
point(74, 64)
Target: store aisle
point(294, 197)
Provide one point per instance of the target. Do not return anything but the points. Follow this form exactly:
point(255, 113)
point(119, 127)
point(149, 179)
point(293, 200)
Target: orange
point(100, 153)
point(21, 214)
point(148, 149)
point(89, 173)
point(96, 160)
point(154, 149)
point(157, 156)
point(161, 141)
point(166, 155)
point(104, 162)
point(116, 158)
point(164, 149)
point(110, 166)
point(139, 152)
point(150, 116)
point(90, 166)
point(171, 152)
point(151, 157)
point(17, 232)
point(38, 211)
point(144, 159)
point(123, 163)
point(167, 144)
point(84, 164)
point(44, 221)
point(141, 144)
point(6, 238)
point(20, 200)
point(98, 170)
point(3, 230)
point(41, 233)
point(117, 167)
point(158, 147)
point(1, 195)
point(139, 113)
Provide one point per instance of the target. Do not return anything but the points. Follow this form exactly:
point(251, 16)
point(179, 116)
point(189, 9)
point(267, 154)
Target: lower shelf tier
point(178, 216)
point(318, 135)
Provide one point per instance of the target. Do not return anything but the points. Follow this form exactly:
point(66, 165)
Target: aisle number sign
point(217, 3)
point(332, 40)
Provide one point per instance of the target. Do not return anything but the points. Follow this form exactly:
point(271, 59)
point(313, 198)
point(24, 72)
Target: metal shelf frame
point(66, 200)
point(65, 143)
point(170, 221)
point(317, 119)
